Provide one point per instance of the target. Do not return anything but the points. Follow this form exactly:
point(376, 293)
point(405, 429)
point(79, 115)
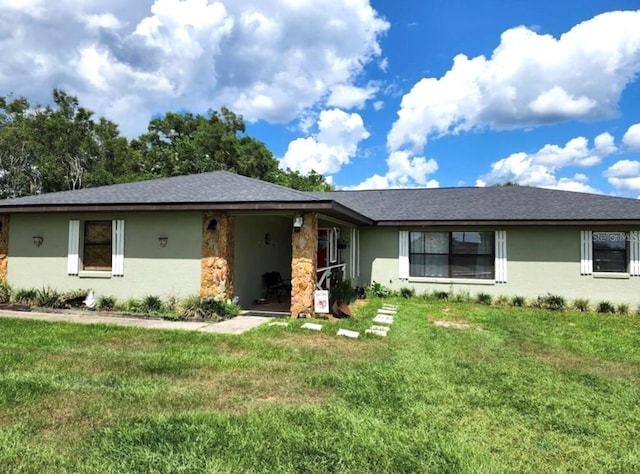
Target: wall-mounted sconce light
point(37, 240)
point(212, 225)
point(297, 223)
point(163, 241)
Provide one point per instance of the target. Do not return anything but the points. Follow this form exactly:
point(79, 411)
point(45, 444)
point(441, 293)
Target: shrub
point(622, 309)
point(484, 298)
point(538, 302)
point(151, 305)
point(25, 296)
point(518, 301)
point(195, 307)
point(47, 297)
point(606, 307)
point(106, 303)
point(379, 290)
point(554, 302)
point(341, 289)
point(501, 300)
point(5, 292)
point(407, 292)
point(441, 295)
point(73, 298)
point(133, 305)
point(461, 297)
point(581, 304)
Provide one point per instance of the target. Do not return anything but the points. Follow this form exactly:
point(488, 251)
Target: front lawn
point(453, 388)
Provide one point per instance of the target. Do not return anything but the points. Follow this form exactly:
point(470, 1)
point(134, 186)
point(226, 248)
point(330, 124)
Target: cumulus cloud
point(530, 79)
point(624, 175)
point(404, 171)
point(632, 137)
point(266, 60)
point(350, 97)
point(335, 144)
point(540, 168)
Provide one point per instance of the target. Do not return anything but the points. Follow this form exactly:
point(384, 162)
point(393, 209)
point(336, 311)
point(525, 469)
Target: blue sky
point(373, 94)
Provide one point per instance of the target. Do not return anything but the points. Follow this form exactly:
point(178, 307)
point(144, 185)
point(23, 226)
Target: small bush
point(606, 307)
point(518, 301)
point(538, 302)
point(484, 298)
point(47, 297)
point(133, 305)
point(5, 292)
point(106, 303)
point(554, 302)
point(195, 307)
point(407, 292)
point(502, 300)
point(462, 297)
point(581, 304)
point(379, 290)
point(441, 295)
point(25, 296)
point(73, 298)
point(151, 305)
point(622, 309)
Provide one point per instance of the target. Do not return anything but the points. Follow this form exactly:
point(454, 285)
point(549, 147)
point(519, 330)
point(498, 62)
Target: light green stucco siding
point(149, 269)
point(540, 260)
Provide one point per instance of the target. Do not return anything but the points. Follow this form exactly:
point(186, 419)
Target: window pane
point(436, 242)
point(97, 245)
point(609, 261)
point(429, 265)
point(471, 243)
point(472, 266)
point(609, 241)
point(416, 244)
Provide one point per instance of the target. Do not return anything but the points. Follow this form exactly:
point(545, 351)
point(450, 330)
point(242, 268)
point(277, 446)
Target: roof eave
point(507, 222)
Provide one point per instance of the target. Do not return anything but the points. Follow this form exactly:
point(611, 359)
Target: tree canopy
point(64, 147)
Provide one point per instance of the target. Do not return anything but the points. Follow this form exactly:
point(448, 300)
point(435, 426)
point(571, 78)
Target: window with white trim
point(99, 247)
point(610, 252)
point(459, 254)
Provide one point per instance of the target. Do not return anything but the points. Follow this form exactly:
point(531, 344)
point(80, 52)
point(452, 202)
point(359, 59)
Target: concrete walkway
point(236, 325)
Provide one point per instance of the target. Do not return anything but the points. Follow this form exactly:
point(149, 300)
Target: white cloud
point(349, 97)
point(540, 168)
point(529, 80)
point(624, 175)
point(404, 171)
point(335, 144)
point(266, 60)
point(632, 137)
point(378, 105)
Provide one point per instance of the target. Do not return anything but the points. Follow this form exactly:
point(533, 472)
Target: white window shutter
point(333, 244)
point(403, 254)
point(634, 250)
point(73, 260)
point(117, 248)
point(355, 253)
point(501, 256)
point(586, 252)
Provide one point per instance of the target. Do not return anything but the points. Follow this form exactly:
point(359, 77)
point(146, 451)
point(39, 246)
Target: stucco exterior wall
point(540, 260)
point(149, 269)
point(254, 256)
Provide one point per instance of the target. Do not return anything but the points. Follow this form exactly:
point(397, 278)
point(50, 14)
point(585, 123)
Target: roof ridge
point(304, 194)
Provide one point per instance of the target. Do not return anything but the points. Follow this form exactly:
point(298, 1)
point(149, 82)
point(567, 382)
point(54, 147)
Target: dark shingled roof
point(217, 186)
point(498, 203)
point(393, 206)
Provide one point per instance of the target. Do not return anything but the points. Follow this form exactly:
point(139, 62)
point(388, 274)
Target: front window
point(97, 245)
point(610, 252)
point(452, 254)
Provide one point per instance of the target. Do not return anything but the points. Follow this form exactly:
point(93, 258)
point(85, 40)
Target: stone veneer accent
point(303, 266)
point(216, 275)
point(4, 247)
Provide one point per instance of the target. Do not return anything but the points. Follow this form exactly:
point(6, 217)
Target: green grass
point(511, 390)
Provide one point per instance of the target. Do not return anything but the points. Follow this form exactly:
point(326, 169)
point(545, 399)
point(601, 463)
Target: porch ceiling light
point(37, 240)
point(297, 223)
point(212, 224)
point(163, 241)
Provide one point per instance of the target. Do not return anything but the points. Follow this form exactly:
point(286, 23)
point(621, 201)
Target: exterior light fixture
point(212, 225)
point(297, 223)
point(163, 241)
point(37, 240)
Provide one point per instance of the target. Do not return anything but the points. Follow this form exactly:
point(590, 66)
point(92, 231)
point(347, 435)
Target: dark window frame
point(607, 265)
point(452, 256)
point(88, 262)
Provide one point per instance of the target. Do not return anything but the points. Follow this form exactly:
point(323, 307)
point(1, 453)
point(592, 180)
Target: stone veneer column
point(216, 275)
point(4, 247)
point(304, 246)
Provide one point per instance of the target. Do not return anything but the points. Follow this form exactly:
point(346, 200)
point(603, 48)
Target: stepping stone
point(278, 323)
point(347, 333)
point(386, 313)
point(383, 319)
point(389, 306)
point(380, 328)
point(312, 326)
point(375, 332)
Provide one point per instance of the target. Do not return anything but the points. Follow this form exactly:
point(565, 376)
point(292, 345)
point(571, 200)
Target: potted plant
point(343, 243)
point(341, 293)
